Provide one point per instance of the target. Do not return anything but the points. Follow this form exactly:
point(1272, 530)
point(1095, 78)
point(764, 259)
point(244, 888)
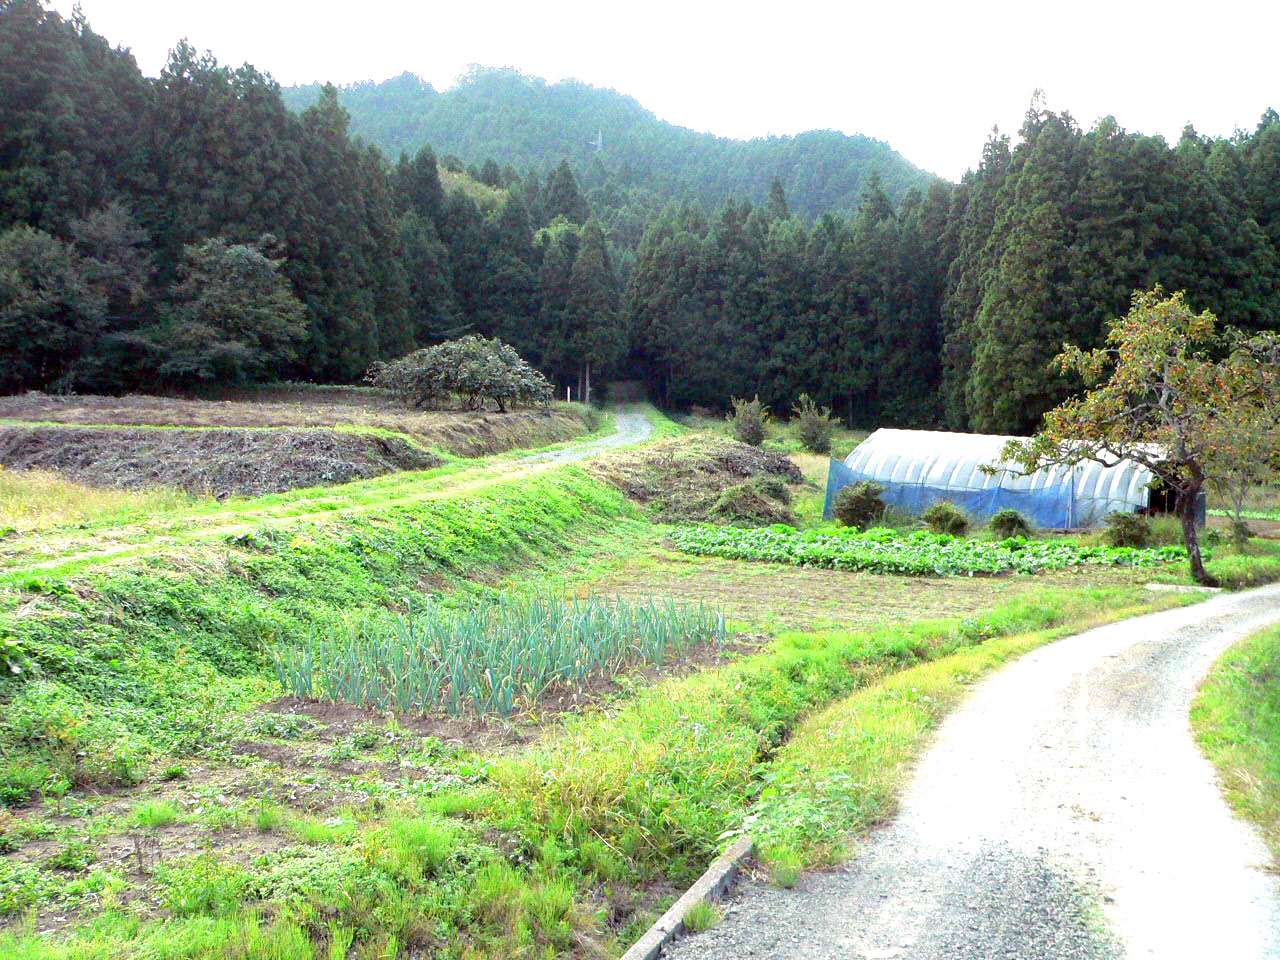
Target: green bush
point(748, 419)
point(1166, 530)
point(814, 426)
point(1127, 530)
point(759, 501)
point(473, 369)
point(859, 504)
point(945, 517)
point(1241, 533)
point(1009, 523)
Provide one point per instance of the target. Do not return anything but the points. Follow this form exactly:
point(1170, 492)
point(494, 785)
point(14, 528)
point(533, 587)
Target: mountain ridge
point(523, 121)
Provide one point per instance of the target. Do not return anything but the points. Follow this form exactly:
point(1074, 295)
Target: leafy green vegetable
point(881, 550)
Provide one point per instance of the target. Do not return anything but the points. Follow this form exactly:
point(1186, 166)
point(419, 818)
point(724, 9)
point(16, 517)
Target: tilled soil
point(1064, 813)
point(464, 433)
point(223, 463)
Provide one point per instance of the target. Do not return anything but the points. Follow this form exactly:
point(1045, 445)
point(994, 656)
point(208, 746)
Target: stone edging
point(710, 886)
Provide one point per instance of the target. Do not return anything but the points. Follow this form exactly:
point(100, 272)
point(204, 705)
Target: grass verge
point(1236, 719)
point(842, 770)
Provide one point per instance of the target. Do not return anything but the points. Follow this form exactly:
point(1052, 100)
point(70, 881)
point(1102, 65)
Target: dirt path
point(46, 552)
point(1063, 812)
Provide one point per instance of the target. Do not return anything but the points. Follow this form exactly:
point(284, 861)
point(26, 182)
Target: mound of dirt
point(464, 433)
point(223, 463)
point(703, 479)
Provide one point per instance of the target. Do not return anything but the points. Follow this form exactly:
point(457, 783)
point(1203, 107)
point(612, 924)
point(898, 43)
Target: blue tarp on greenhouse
point(918, 468)
point(1048, 507)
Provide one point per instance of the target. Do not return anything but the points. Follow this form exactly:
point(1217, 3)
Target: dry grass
point(462, 433)
point(32, 500)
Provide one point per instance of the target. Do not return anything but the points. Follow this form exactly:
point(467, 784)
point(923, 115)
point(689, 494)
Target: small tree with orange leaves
point(1171, 392)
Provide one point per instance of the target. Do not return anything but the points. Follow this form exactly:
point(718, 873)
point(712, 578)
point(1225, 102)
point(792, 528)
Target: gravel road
point(1063, 813)
point(628, 428)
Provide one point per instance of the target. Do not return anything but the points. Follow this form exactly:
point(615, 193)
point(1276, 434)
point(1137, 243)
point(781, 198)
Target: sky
point(931, 79)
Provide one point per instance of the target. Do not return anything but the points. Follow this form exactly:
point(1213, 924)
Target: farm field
point(165, 796)
point(460, 433)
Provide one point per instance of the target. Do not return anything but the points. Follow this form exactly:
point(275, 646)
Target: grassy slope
point(537, 853)
point(1236, 718)
point(540, 851)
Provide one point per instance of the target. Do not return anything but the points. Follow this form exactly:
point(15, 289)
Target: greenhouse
point(920, 467)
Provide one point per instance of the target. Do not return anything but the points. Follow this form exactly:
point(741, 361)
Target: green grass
point(663, 777)
point(508, 854)
point(1236, 719)
point(154, 813)
point(517, 852)
point(703, 915)
point(842, 770)
point(167, 653)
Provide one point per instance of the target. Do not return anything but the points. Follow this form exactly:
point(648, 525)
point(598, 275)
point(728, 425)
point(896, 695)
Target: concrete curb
point(710, 886)
point(1182, 588)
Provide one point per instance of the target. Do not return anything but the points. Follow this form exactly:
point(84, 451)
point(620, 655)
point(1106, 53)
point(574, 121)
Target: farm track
point(1063, 813)
point(51, 551)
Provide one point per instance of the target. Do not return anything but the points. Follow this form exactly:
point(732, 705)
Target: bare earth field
point(776, 597)
point(221, 463)
point(461, 433)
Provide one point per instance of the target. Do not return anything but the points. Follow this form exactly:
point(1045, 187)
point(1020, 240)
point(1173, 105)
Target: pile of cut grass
point(703, 479)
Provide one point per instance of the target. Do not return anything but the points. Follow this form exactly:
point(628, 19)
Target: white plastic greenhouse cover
point(952, 461)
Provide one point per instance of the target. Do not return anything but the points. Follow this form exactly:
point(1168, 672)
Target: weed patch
point(1236, 719)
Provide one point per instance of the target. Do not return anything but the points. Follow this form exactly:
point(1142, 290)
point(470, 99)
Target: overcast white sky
point(929, 78)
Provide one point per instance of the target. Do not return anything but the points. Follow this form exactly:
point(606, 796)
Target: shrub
point(473, 369)
point(748, 419)
point(761, 501)
point(814, 426)
point(1165, 530)
point(1127, 530)
point(859, 505)
point(1009, 523)
point(945, 517)
point(1240, 534)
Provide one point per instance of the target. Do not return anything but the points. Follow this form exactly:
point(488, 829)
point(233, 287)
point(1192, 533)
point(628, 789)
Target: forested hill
point(524, 122)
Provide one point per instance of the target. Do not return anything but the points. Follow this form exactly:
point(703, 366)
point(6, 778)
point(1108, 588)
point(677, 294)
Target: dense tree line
point(157, 232)
point(948, 310)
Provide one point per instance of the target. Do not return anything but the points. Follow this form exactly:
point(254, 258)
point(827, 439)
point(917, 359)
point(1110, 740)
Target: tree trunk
point(1186, 508)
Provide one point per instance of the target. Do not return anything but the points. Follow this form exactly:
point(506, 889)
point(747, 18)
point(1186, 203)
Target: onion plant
point(490, 658)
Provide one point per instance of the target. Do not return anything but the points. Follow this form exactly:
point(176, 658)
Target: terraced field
point(63, 551)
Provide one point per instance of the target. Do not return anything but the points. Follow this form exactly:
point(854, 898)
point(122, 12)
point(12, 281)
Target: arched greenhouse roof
point(919, 467)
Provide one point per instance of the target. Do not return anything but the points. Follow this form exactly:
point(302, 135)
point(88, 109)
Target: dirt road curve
point(1063, 812)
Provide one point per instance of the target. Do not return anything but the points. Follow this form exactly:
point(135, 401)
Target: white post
point(568, 391)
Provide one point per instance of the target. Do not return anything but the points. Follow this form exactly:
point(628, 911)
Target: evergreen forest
point(170, 232)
